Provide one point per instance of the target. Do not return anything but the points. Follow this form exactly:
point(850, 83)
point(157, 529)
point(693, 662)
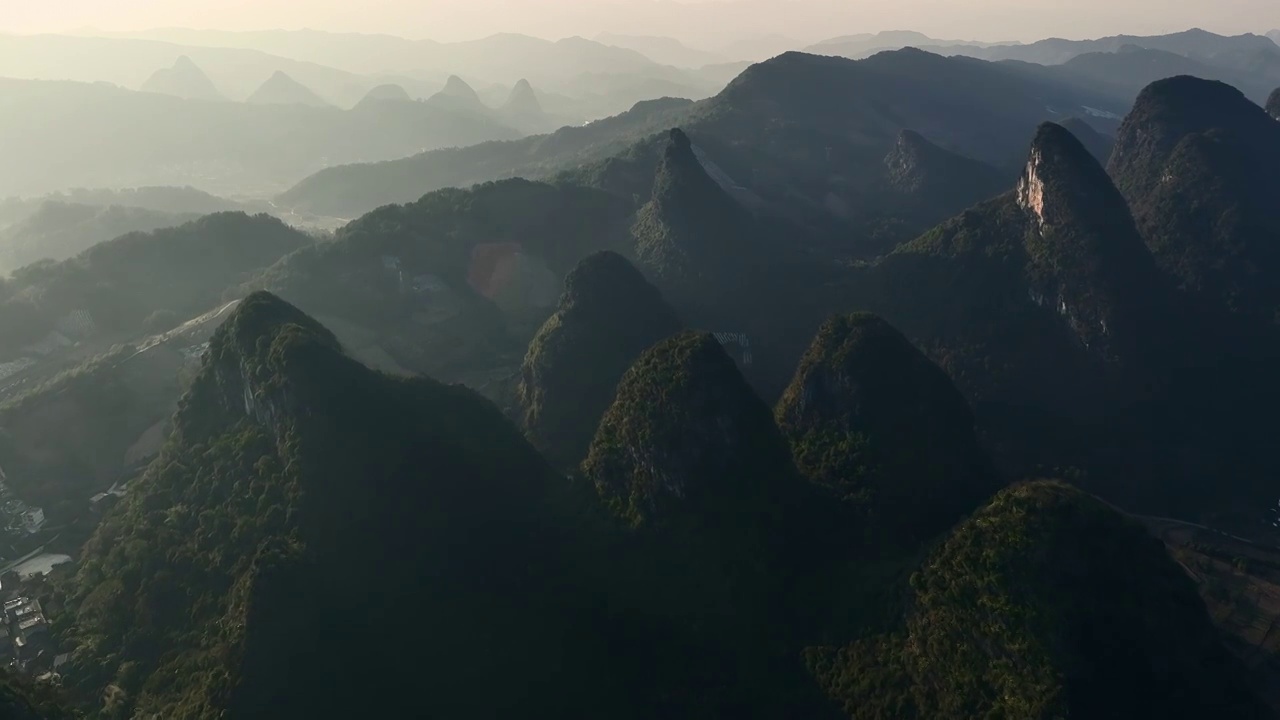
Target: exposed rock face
point(608, 315)
point(1087, 259)
point(1273, 104)
point(876, 422)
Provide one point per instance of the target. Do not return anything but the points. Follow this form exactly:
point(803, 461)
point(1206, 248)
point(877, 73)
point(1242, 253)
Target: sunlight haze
point(704, 22)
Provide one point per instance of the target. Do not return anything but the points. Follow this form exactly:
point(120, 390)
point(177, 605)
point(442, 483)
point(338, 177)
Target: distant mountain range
point(185, 80)
point(830, 396)
point(93, 135)
point(993, 104)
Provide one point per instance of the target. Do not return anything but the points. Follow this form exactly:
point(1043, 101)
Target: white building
point(32, 519)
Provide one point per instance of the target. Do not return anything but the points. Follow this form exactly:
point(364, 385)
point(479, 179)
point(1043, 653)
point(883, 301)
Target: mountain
point(523, 110)
point(873, 420)
point(1046, 603)
point(1273, 104)
point(1196, 161)
point(1098, 145)
point(501, 58)
point(522, 100)
point(663, 50)
point(354, 189)
point(185, 80)
point(457, 95)
point(458, 281)
point(609, 314)
point(856, 47)
point(390, 91)
point(280, 89)
point(1194, 43)
point(780, 122)
point(922, 185)
point(1080, 253)
point(58, 230)
point(1252, 61)
point(118, 284)
point(129, 62)
point(72, 434)
point(697, 243)
point(71, 135)
point(688, 458)
point(279, 419)
point(1131, 68)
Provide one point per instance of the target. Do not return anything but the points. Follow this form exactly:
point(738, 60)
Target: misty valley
point(874, 377)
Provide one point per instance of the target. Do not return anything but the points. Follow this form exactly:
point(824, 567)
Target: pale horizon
point(699, 23)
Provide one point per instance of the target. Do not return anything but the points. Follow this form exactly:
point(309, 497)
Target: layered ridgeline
point(456, 281)
point(114, 287)
point(185, 80)
point(280, 89)
point(873, 420)
point(416, 523)
point(57, 230)
point(1048, 281)
point(701, 246)
point(608, 315)
point(923, 184)
point(689, 459)
point(1198, 163)
point(1047, 603)
point(800, 127)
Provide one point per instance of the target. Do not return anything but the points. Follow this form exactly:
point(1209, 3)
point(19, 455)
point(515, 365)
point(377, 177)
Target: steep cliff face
point(1087, 260)
point(608, 315)
point(877, 423)
point(1059, 258)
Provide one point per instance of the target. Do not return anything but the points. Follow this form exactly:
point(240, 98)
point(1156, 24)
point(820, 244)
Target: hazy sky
point(705, 22)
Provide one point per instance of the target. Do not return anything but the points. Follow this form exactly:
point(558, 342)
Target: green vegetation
point(307, 514)
point(1047, 603)
point(58, 230)
point(21, 699)
point(726, 536)
point(876, 422)
point(119, 283)
point(1197, 162)
point(608, 316)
